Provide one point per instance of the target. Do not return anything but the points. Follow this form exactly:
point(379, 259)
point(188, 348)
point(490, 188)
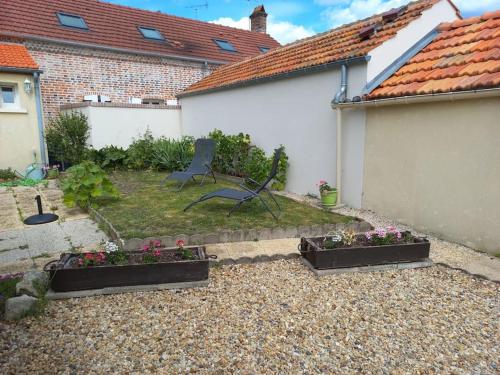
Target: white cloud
point(283, 31)
point(477, 7)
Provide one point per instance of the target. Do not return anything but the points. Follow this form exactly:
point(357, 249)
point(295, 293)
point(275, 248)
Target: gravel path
point(271, 318)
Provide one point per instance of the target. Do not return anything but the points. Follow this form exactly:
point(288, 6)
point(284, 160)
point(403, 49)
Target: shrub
point(85, 183)
point(66, 137)
point(108, 157)
point(231, 152)
point(172, 155)
point(140, 152)
point(7, 174)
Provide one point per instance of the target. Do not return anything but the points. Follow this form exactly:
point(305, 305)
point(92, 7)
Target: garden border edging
point(228, 236)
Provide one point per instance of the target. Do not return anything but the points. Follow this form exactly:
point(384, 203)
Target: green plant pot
point(329, 198)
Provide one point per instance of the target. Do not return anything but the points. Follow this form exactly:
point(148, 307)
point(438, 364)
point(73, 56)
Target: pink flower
point(80, 262)
point(368, 235)
point(157, 243)
point(157, 253)
point(381, 233)
point(398, 235)
point(145, 247)
point(179, 243)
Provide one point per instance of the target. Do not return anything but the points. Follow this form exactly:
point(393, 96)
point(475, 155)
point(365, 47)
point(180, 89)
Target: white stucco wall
point(391, 50)
point(118, 126)
point(294, 112)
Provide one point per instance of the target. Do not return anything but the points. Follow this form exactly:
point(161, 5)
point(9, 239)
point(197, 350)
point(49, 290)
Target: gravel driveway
point(271, 318)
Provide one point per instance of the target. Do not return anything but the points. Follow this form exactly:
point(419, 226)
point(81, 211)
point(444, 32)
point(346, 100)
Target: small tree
point(66, 137)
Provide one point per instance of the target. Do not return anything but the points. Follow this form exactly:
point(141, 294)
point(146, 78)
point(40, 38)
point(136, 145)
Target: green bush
point(85, 183)
point(66, 137)
point(172, 155)
point(109, 157)
point(7, 174)
point(231, 153)
point(140, 152)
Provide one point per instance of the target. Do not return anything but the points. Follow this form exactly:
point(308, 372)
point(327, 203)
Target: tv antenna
point(197, 7)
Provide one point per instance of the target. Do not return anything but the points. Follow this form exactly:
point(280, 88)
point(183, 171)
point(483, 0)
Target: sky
point(290, 20)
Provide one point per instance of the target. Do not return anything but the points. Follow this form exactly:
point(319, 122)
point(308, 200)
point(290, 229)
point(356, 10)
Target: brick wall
point(70, 72)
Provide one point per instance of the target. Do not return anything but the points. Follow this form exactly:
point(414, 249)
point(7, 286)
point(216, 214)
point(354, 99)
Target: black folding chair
point(247, 194)
point(204, 151)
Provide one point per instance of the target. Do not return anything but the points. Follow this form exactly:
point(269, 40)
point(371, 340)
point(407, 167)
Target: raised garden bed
point(70, 273)
point(362, 252)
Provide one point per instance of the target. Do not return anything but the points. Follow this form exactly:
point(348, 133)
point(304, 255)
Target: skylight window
point(150, 33)
point(71, 20)
point(225, 45)
point(264, 49)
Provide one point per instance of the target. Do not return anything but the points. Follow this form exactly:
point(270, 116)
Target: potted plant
point(52, 172)
point(348, 249)
point(328, 194)
point(109, 266)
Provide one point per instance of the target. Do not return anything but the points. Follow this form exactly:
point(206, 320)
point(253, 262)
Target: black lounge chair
point(204, 151)
point(247, 194)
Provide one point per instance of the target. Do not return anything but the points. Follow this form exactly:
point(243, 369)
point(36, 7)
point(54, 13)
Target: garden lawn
point(146, 210)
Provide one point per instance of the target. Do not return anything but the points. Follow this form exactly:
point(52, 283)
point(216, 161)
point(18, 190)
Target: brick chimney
point(258, 19)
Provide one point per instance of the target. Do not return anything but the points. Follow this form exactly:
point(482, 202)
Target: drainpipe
point(38, 100)
point(340, 97)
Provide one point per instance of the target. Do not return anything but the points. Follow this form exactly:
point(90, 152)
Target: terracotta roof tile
point(116, 26)
point(16, 56)
point(464, 56)
point(337, 44)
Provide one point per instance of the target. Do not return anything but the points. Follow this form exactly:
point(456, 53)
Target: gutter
point(280, 76)
point(39, 113)
point(6, 69)
point(413, 99)
point(115, 49)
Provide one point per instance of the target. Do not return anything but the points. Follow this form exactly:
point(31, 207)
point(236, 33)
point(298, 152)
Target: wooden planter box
point(65, 279)
point(344, 257)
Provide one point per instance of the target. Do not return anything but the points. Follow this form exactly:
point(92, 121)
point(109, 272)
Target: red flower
point(179, 243)
point(157, 253)
point(145, 247)
point(89, 256)
point(157, 243)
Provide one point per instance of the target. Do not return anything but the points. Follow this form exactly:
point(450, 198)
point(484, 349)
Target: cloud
point(477, 7)
point(283, 31)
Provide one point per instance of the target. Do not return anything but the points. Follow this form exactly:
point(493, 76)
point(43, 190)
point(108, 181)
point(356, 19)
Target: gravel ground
point(271, 318)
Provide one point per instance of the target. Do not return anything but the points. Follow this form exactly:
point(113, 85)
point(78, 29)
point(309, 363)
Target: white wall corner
point(389, 51)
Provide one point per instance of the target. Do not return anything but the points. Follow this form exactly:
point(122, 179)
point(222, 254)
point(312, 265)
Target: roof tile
point(16, 56)
point(116, 26)
point(337, 44)
point(464, 56)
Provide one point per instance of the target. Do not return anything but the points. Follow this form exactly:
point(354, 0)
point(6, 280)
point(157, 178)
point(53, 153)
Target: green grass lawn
point(146, 210)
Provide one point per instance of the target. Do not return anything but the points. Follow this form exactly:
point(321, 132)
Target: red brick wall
point(70, 72)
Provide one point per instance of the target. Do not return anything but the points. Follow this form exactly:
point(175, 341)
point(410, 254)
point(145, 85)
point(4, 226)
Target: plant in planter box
point(151, 252)
point(328, 194)
point(185, 253)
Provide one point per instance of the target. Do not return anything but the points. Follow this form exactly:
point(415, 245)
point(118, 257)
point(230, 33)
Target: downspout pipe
point(39, 113)
point(340, 97)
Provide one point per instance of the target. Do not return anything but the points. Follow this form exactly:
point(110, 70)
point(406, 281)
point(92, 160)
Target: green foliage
point(172, 155)
point(7, 290)
point(66, 137)
point(7, 174)
point(85, 183)
point(140, 152)
point(236, 156)
point(232, 152)
point(109, 157)
point(22, 182)
point(118, 257)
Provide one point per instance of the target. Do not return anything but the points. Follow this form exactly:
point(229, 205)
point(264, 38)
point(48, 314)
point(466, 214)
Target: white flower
point(110, 247)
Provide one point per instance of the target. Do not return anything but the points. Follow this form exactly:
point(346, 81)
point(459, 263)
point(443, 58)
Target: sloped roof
point(338, 44)
point(15, 56)
point(464, 56)
point(116, 26)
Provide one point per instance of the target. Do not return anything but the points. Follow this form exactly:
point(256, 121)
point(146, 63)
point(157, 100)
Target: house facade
point(95, 51)
point(21, 127)
point(432, 155)
point(284, 97)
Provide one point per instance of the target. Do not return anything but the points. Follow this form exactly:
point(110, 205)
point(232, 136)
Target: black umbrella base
point(40, 219)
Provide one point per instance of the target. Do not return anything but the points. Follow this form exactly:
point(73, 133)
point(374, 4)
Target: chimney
point(258, 19)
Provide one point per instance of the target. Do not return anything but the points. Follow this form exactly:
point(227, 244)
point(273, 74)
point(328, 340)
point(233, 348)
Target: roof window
point(150, 33)
point(367, 32)
point(392, 14)
point(264, 49)
point(71, 20)
point(225, 45)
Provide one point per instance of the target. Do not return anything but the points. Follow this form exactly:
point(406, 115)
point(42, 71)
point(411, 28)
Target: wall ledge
point(118, 105)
